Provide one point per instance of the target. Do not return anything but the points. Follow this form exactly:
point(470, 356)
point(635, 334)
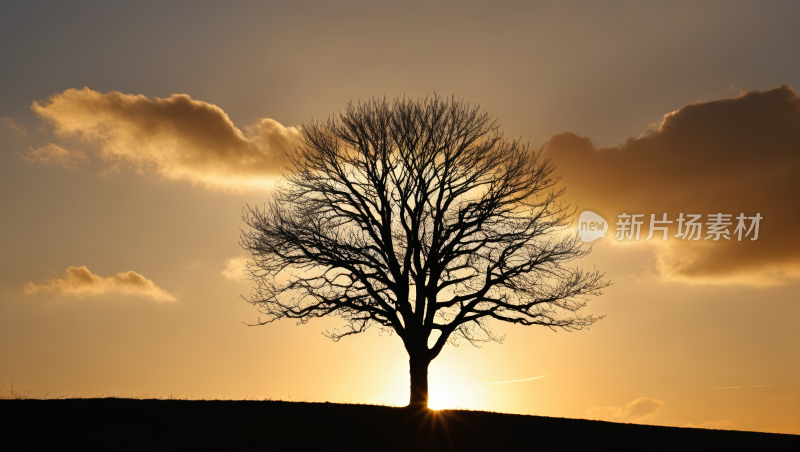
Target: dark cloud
point(732, 156)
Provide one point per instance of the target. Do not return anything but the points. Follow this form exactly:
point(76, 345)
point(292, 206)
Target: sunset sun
point(441, 400)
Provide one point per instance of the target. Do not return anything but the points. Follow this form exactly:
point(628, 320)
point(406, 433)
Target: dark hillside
point(113, 423)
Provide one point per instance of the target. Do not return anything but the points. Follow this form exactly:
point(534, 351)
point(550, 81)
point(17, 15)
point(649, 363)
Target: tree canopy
point(418, 217)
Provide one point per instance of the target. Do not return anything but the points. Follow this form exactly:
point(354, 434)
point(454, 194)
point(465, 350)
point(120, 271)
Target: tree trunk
point(418, 368)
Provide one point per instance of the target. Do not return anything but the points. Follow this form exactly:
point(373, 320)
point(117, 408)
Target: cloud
point(716, 425)
point(641, 411)
point(235, 269)
point(80, 282)
point(730, 156)
point(177, 137)
point(9, 123)
point(511, 381)
point(54, 154)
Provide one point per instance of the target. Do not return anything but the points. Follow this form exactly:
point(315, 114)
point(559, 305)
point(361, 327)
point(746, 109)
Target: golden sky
point(132, 135)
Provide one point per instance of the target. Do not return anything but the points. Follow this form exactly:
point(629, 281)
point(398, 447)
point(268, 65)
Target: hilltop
point(276, 425)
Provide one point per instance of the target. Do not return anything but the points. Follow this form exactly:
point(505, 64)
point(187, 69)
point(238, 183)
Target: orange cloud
point(80, 282)
point(179, 138)
point(9, 123)
point(730, 156)
point(52, 153)
point(641, 411)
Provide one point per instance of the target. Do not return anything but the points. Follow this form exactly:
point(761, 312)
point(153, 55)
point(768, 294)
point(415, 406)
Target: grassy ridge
point(274, 425)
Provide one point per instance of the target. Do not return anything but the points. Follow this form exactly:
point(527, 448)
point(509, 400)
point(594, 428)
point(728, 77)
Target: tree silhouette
point(420, 218)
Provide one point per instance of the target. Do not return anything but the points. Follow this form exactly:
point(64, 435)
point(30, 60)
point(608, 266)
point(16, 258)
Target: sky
point(132, 135)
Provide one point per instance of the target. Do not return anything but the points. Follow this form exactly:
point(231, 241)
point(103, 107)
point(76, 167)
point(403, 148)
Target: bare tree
point(417, 217)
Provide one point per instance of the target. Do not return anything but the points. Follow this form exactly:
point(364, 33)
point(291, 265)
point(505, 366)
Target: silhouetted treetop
point(419, 217)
